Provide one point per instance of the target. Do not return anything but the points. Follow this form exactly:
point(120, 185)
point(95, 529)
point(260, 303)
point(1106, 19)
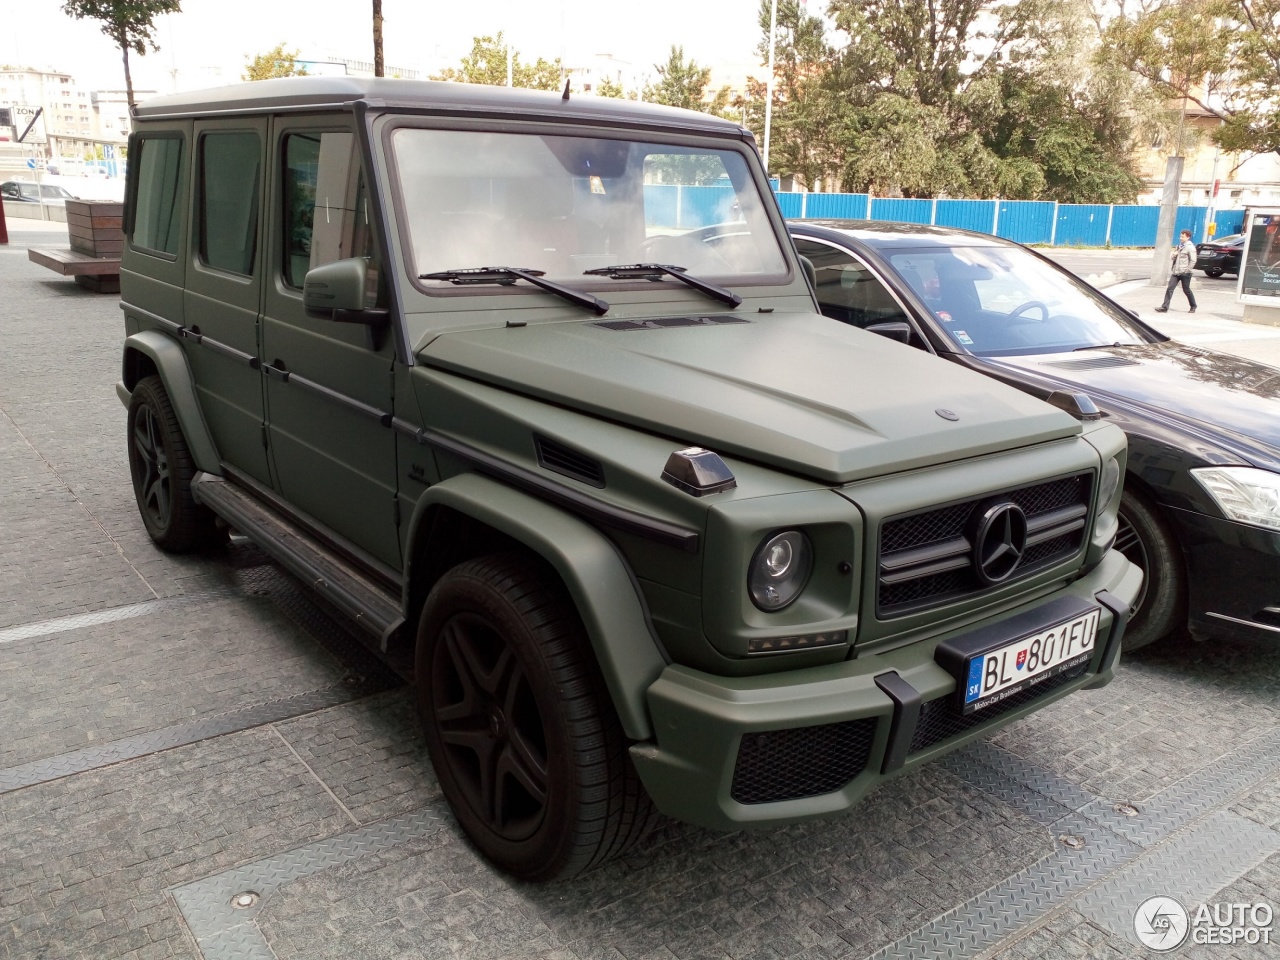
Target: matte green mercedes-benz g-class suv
point(534, 388)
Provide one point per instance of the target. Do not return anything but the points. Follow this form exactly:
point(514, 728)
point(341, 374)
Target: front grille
point(802, 761)
point(926, 558)
point(941, 720)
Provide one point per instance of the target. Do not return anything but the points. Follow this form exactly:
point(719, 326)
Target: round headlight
point(780, 570)
point(1110, 480)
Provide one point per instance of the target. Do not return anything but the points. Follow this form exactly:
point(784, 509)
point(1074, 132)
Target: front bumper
point(825, 736)
point(1233, 576)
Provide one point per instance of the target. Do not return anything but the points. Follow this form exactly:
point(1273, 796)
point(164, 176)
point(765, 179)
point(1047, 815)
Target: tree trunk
point(128, 78)
point(378, 69)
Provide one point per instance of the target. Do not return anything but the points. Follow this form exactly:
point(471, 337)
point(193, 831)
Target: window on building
point(229, 182)
point(155, 215)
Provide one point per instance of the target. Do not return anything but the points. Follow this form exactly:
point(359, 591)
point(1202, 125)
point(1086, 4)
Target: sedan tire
point(1146, 539)
point(1213, 271)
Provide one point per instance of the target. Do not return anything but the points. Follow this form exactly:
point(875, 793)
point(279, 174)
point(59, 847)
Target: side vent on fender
point(556, 457)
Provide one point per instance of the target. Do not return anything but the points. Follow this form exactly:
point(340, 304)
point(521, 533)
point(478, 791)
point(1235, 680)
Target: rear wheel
point(161, 467)
point(520, 728)
point(1213, 271)
point(1146, 539)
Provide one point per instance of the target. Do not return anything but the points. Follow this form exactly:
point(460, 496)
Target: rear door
point(332, 458)
point(223, 290)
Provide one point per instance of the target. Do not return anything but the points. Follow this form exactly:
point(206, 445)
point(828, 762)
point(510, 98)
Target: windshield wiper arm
point(1107, 346)
point(509, 275)
point(656, 271)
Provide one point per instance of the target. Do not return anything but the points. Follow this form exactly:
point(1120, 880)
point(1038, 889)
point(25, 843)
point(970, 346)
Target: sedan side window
point(847, 290)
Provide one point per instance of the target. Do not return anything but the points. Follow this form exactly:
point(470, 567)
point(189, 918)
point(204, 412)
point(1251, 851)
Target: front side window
point(1004, 301)
point(155, 214)
point(847, 290)
point(230, 166)
point(326, 211)
point(564, 205)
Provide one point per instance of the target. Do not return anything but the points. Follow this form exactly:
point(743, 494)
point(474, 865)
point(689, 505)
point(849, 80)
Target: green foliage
point(276, 62)
point(1221, 55)
point(683, 83)
point(957, 98)
point(129, 23)
point(608, 87)
point(487, 64)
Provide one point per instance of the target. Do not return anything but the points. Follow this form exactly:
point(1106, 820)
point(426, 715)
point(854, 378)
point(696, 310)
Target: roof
point(287, 94)
point(886, 233)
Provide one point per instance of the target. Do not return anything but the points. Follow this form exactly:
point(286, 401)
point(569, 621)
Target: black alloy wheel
point(161, 467)
point(519, 725)
point(1146, 540)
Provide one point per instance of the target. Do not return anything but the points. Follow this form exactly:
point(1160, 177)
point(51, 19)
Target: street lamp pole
point(768, 101)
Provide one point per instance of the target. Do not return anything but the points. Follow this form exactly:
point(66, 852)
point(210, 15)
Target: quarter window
point(229, 176)
point(155, 215)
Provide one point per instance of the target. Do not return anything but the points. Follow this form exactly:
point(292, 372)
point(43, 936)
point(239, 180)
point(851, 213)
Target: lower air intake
point(801, 762)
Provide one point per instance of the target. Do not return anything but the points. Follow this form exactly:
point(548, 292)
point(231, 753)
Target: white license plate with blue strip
point(998, 674)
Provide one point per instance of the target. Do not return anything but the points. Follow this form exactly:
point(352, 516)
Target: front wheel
point(1146, 539)
point(161, 468)
point(519, 726)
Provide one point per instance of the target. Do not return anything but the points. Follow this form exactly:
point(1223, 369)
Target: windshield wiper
point(656, 271)
point(509, 275)
point(1107, 346)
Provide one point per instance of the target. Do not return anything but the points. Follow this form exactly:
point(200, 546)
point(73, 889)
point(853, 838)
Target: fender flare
point(175, 373)
point(600, 583)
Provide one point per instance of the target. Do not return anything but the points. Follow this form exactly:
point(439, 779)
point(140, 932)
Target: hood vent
point(661, 323)
point(567, 462)
point(1092, 363)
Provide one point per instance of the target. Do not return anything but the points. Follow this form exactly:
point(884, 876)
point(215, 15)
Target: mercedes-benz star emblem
point(999, 541)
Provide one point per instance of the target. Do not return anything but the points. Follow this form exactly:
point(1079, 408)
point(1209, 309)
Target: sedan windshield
point(1004, 301)
point(563, 206)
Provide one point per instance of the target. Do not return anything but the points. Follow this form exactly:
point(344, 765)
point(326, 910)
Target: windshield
point(1004, 301)
point(566, 205)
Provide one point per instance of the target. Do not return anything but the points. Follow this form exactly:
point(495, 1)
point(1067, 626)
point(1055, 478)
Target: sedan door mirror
point(339, 291)
point(898, 330)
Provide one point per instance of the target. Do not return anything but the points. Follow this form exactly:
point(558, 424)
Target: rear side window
point(229, 176)
point(155, 215)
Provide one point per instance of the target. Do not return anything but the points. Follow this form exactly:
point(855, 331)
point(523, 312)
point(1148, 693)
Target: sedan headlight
point(1247, 494)
point(779, 570)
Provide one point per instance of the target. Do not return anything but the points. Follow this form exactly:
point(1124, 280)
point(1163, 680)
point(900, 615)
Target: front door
point(330, 458)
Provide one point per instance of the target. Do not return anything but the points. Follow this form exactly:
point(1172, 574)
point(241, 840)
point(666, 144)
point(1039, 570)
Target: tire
point(1146, 539)
point(161, 467)
point(1213, 271)
point(519, 725)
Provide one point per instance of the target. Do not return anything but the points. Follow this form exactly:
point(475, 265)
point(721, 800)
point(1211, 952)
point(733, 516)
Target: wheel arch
point(152, 353)
point(468, 515)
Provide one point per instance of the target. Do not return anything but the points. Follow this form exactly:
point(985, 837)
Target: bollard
point(4, 229)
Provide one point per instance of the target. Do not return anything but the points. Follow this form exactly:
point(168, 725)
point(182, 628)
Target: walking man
point(1183, 260)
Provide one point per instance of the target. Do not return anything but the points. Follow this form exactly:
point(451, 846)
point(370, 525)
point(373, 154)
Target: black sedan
point(1220, 256)
point(1201, 507)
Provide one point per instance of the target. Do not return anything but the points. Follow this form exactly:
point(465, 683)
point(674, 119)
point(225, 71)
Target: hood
point(1226, 395)
point(795, 391)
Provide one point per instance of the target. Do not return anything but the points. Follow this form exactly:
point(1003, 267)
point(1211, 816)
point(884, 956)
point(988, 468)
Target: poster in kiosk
point(1260, 263)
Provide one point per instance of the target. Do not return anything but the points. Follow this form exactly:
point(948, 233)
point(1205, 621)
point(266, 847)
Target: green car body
point(377, 430)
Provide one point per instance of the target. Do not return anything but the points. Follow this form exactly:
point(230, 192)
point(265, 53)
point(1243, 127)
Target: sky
point(207, 43)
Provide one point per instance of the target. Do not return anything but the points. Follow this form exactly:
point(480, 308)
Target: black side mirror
point(898, 330)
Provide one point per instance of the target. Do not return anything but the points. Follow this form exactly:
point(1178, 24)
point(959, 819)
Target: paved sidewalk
point(182, 732)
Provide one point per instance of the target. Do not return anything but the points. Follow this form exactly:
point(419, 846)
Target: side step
point(374, 608)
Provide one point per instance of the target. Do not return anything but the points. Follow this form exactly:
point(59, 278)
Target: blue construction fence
point(1026, 221)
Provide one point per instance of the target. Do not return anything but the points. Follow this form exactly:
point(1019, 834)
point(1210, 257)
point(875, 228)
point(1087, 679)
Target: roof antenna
point(565, 95)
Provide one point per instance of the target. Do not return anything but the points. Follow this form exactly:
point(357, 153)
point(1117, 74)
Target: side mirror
point(339, 291)
point(898, 330)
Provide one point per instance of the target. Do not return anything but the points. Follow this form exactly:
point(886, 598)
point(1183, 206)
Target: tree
point(608, 87)
point(683, 83)
point(276, 62)
point(1222, 55)
point(379, 69)
point(129, 23)
point(487, 64)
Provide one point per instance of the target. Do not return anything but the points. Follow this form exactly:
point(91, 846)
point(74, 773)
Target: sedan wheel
point(1213, 271)
point(1146, 540)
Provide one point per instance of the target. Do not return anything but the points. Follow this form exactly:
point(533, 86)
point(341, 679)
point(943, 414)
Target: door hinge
point(395, 508)
point(264, 436)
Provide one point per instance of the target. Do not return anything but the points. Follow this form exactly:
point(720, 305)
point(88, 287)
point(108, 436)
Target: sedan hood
point(795, 391)
point(1229, 395)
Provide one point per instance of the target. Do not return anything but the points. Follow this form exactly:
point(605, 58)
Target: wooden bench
point(94, 227)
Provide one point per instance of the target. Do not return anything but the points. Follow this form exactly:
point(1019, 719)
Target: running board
point(375, 609)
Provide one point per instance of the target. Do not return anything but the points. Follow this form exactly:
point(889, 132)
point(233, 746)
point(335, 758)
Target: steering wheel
point(1029, 305)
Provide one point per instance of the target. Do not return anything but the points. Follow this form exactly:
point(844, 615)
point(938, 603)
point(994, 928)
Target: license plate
point(997, 674)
